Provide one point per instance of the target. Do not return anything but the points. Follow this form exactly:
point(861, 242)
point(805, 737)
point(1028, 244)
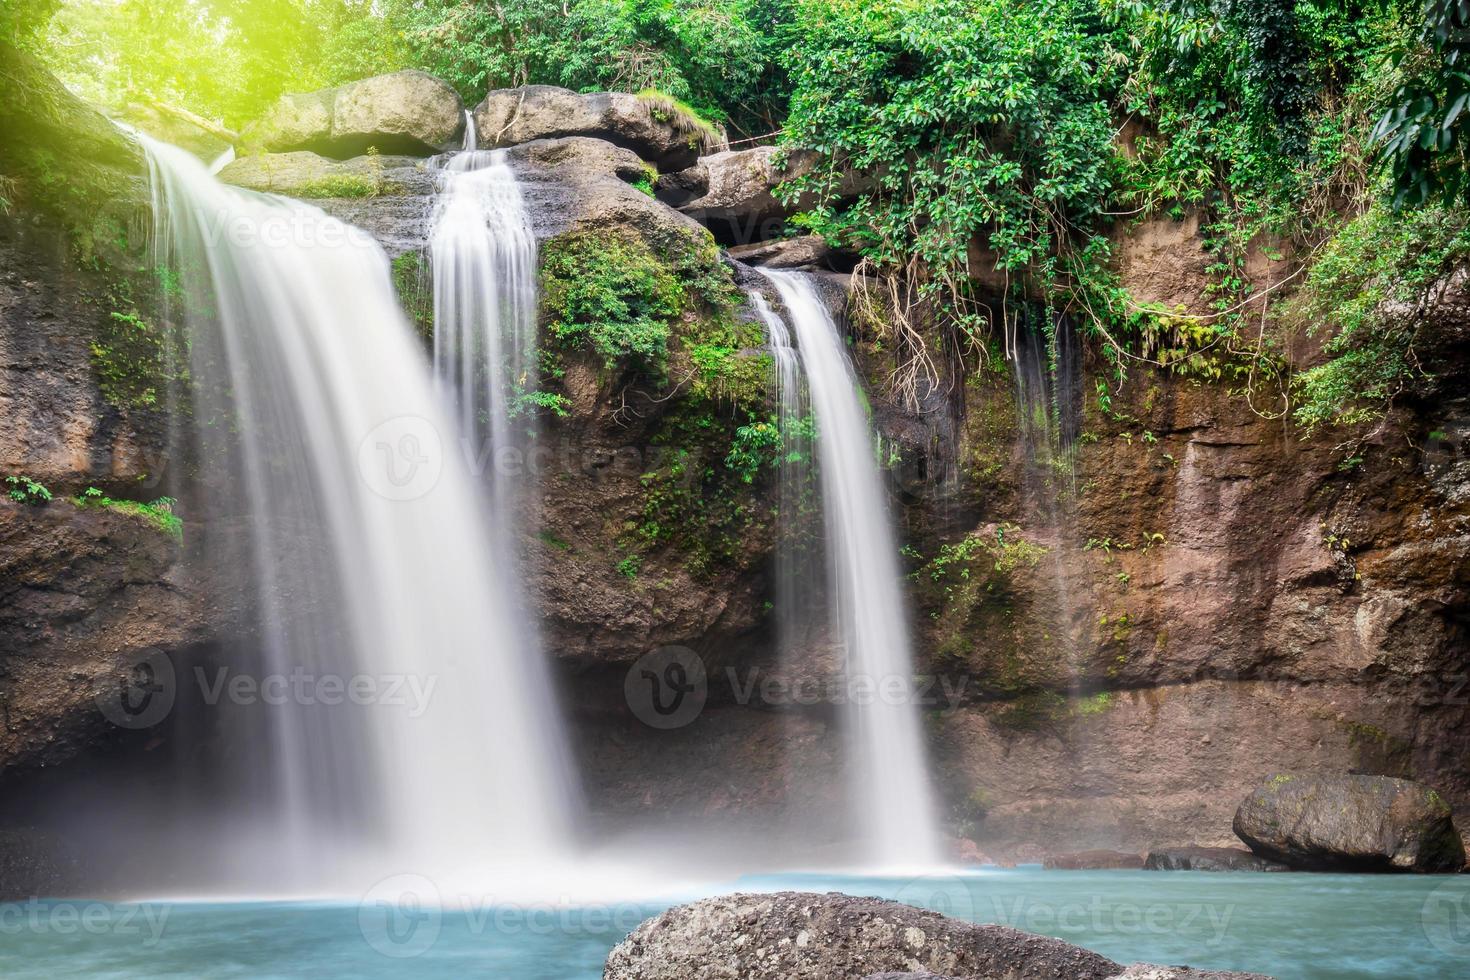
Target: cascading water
point(483, 253)
point(324, 440)
point(795, 596)
point(886, 757)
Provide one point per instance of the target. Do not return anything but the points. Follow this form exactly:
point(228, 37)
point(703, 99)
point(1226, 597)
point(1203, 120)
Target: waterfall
point(483, 253)
point(795, 594)
point(329, 461)
point(885, 753)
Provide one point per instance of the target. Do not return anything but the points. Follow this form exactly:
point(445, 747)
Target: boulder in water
point(788, 935)
point(1208, 859)
point(407, 112)
point(1350, 823)
point(665, 136)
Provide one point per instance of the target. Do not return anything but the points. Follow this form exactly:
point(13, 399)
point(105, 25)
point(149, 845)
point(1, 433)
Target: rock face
point(1094, 860)
point(733, 193)
point(304, 174)
point(1350, 823)
point(839, 937)
point(1208, 859)
point(407, 112)
point(805, 251)
point(84, 595)
point(508, 117)
point(827, 937)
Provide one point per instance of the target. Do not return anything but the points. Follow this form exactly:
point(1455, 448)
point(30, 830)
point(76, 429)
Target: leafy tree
point(1424, 137)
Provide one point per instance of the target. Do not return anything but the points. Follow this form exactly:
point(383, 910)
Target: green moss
point(411, 282)
point(158, 514)
point(628, 301)
point(684, 118)
point(338, 185)
point(550, 539)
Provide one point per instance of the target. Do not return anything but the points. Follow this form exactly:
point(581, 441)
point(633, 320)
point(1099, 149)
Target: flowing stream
point(367, 547)
point(483, 253)
point(885, 754)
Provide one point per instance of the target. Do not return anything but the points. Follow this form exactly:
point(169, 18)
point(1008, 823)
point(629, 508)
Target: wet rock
point(806, 251)
point(794, 934)
point(1148, 971)
point(1350, 823)
point(1095, 860)
point(407, 112)
point(1208, 859)
point(508, 117)
point(304, 174)
point(85, 594)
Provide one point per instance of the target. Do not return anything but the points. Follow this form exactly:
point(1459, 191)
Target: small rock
point(1208, 859)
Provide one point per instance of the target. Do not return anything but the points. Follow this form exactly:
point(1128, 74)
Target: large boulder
point(804, 251)
point(664, 135)
point(733, 193)
point(407, 112)
point(1350, 823)
point(789, 935)
point(1208, 859)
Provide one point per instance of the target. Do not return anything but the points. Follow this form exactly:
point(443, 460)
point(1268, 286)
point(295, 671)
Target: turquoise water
point(1291, 925)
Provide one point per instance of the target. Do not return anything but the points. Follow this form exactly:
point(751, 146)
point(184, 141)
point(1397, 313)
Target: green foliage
point(614, 294)
point(137, 360)
point(683, 118)
point(24, 490)
point(410, 273)
point(1423, 134)
point(338, 185)
point(756, 445)
point(22, 22)
point(986, 118)
point(718, 56)
point(159, 513)
point(1381, 258)
point(226, 59)
point(981, 560)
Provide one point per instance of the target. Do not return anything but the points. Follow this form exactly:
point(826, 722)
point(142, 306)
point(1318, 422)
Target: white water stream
point(371, 562)
point(885, 754)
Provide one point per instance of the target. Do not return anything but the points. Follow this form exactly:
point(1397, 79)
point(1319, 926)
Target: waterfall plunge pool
point(1293, 926)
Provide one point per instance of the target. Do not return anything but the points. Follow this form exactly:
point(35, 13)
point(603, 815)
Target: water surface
point(1294, 926)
